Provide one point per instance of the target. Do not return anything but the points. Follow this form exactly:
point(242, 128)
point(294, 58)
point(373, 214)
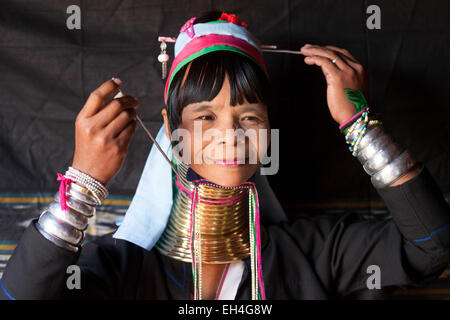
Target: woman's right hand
point(103, 132)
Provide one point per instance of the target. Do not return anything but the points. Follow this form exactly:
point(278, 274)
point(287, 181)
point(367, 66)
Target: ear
point(166, 123)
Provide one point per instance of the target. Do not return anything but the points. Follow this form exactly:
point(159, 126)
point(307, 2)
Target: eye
point(206, 117)
point(251, 118)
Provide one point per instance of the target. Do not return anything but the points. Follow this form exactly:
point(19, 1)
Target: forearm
point(38, 267)
point(411, 194)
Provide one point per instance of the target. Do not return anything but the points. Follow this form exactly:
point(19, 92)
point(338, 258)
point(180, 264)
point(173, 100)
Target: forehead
point(222, 100)
point(221, 79)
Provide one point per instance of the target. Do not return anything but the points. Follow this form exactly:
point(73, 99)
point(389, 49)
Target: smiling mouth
point(230, 162)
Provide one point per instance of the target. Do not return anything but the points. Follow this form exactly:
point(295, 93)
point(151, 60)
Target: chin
point(227, 176)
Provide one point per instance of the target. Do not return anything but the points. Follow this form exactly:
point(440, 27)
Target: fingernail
point(119, 95)
point(117, 81)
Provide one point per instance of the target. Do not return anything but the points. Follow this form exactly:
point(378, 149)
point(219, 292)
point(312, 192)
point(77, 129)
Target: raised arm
point(412, 247)
point(37, 268)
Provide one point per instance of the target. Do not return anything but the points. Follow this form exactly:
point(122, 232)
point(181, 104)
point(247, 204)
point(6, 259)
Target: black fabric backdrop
point(48, 71)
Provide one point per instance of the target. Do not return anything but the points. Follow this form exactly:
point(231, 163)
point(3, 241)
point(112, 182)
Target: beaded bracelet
point(359, 127)
point(95, 186)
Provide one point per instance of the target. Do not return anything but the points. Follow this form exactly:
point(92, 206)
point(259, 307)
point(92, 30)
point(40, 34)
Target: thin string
point(138, 118)
point(222, 280)
point(282, 51)
point(198, 247)
point(62, 190)
point(252, 246)
point(192, 243)
point(258, 240)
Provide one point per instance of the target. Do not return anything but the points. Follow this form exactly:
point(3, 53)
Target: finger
point(120, 122)
point(329, 69)
point(126, 134)
point(348, 57)
point(343, 52)
point(113, 109)
point(98, 97)
point(331, 55)
point(343, 62)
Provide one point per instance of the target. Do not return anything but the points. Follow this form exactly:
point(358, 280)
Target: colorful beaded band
point(357, 130)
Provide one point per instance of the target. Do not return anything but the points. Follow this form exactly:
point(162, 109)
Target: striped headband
point(226, 34)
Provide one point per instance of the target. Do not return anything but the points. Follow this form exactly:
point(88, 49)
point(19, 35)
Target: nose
point(231, 137)
point(228, 131)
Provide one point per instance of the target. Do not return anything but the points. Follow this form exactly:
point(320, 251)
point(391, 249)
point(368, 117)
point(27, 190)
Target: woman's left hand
point(346, 72)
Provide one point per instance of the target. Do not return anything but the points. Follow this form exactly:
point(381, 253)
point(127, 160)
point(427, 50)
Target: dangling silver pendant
point(163, 58)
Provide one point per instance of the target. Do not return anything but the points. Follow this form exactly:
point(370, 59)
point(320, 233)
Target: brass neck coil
point(224, 223)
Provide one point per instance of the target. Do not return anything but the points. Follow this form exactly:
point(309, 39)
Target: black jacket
point(310, 258)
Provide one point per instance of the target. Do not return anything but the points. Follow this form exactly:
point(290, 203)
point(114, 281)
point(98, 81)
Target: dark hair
point(206, 75)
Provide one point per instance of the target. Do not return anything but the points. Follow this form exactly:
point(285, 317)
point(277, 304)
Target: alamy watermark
point(74, 280)
point(74, 20)
point(235, 146)
point(374, 20)
point(374, 280)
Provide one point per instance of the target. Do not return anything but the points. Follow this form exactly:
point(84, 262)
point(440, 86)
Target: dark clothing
point(310, 258)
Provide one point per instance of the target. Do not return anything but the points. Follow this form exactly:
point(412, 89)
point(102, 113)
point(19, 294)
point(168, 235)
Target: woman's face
point(228, 147)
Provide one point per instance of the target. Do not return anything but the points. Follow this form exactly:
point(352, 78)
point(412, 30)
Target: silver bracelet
point(65, 228)
point(383, 159)
point(56, 240)
point(373, 131)
point(393, 171)
point(83, 197)
point(60, 229)
point(79, 206)
point(373, 147)
point(75, 219)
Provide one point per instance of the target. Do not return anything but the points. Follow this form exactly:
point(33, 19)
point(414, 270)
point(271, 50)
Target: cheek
point(203, 145)
point(259, 143)
point(196, 147)
point(267, 140)
point(197, 143)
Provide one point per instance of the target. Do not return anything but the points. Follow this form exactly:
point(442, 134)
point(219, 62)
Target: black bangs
point(205, 79)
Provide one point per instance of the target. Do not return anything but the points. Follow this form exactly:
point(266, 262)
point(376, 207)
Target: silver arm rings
point(383, 159)
point(66, 228)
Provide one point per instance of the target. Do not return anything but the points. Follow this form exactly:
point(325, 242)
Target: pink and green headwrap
point(226, 34)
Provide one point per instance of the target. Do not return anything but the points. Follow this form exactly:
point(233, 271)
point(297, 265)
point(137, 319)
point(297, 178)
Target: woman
point(210, 222)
